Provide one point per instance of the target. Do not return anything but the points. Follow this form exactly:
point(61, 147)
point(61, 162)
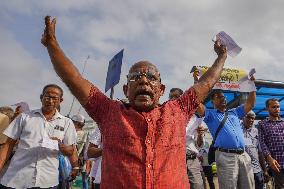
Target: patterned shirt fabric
point(231, 135)
point(252, 147)
point(32, 164)
point(143, 149)
point(271, 138)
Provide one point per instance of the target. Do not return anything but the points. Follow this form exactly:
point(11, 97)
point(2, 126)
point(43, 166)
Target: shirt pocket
point(56, 131)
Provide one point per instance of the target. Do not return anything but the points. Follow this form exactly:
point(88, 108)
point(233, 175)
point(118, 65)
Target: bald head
point(143, 63)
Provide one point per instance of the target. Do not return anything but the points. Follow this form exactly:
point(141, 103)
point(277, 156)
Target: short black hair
point(176, 89)
point(54, 86)
point(215, 91)
point(268, 100)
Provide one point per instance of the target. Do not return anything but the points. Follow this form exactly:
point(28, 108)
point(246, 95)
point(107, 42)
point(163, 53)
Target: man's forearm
point(262, 161)
point(74, 158)
point(62, 65)
point(5, 151)
point(94, 152)
point(66, 150)
point(210, 77)
point(250, 101)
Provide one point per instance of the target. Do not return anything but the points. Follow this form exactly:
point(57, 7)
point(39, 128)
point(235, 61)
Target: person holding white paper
point(35, 163)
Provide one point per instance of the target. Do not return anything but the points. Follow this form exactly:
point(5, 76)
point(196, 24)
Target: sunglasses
point(135, 76)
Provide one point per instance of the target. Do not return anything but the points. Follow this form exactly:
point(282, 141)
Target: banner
point(114, 70)
point(231, 79)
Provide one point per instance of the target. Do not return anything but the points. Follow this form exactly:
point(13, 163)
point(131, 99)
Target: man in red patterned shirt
point(144, 142)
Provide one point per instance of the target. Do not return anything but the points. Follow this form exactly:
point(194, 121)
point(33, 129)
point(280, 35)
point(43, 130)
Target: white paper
point(232, 47)
point(50, 144)
point(251, 72)
point(24, 107)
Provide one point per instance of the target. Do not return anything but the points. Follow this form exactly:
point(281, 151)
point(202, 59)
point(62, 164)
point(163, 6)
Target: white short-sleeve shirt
point(191, 133)
point(33, 165)
point(95, 138)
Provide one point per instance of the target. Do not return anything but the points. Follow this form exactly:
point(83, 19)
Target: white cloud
point(174, 35)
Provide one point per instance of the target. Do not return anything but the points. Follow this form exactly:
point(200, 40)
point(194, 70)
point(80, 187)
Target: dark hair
point(176, 89)
point(268, 100)
point(53, 86)
point(215, 91)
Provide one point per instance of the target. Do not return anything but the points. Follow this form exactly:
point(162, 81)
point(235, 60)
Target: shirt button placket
point(149, 154)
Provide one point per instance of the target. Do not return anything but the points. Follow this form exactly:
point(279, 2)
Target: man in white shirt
point(42, 135)
point(194, 140)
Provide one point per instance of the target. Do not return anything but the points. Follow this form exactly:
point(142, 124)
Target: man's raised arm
point(209, 78)
point(64, 68)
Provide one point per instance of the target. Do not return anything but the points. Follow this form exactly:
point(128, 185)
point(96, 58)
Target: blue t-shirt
point(231, 136)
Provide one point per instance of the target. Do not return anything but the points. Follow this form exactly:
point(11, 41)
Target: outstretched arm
point(64, 68)
point(6, 150)
point(249, 104)
point(209, 78)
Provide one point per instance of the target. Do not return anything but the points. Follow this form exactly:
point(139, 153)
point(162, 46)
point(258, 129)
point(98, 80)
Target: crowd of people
point(140, 143)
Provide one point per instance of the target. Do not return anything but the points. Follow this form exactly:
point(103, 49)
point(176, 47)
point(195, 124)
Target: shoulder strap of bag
point(220, 127)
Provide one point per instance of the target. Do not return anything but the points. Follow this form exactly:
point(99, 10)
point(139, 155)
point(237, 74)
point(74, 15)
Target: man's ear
point(125, 89)
point(41, 96)
point(61, 99)
point(162, 89)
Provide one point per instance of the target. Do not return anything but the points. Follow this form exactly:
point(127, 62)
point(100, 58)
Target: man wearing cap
point(79, 122)
point(42, 134)
point(252, 147)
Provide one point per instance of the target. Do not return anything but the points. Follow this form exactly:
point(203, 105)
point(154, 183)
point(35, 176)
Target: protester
point(95, 151)
point(42, 134)
point(271, 137)
point(233, 163)
point(79, 122)
point(252, 147)
point(143, 141)
point(194, 141)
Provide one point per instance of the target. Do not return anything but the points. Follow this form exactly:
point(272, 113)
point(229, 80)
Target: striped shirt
point(271, 138)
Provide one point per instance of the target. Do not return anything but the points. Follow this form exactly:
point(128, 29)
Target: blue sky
point(174, 35)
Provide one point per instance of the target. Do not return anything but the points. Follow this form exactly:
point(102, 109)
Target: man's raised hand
point(220, 49)
point(48, 37)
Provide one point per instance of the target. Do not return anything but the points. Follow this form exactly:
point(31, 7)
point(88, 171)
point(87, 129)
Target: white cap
point(79, 118)
point(251, 113)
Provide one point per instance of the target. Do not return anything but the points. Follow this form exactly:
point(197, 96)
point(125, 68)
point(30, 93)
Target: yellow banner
point(228, 75)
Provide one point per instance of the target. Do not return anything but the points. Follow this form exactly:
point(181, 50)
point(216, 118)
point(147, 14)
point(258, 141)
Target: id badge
point(58, 133)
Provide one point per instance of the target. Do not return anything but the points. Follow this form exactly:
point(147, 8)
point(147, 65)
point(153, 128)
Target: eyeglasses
point(54, 98)
point(135, 76)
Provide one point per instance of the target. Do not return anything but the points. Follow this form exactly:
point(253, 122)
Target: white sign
point(232, 47)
